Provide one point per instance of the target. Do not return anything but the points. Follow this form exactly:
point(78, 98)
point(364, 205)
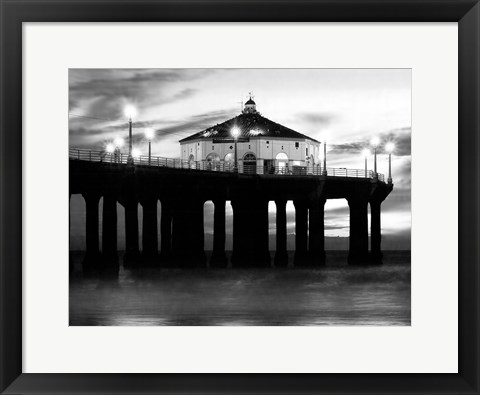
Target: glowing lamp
point(136, 152)
point(130, 111)
point(149, 133)
point(110, 148)
point(366, 153)
point(235, 132)
point(118, 142)
point(389, 147)
point(375, 142)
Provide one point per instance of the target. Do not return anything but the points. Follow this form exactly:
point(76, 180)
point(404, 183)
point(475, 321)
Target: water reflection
point(333, 295)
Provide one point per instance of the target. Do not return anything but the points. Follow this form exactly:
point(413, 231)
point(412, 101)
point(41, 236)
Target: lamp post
point(324, 171)
point(366, 154)
point(130, 113)
point(390, 147)
point(235, 133)
point(149, 133)
point(375, 141)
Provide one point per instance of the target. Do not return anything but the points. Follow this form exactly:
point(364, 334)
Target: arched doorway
point(281, 164)
point(250, 163)
point(213, 161)
point(191, 162)
point(229, 161)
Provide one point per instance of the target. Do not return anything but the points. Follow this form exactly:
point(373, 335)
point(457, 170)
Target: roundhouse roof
point(249, 125)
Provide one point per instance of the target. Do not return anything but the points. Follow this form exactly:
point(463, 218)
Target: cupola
point(250, 107)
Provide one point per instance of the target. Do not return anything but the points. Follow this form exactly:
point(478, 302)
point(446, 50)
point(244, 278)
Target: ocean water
point(336, 294)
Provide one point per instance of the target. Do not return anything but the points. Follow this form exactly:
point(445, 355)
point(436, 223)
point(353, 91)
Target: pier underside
point(183, 192)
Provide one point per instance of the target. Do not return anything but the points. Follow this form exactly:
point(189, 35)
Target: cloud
point(183, 94)
point(83, 137)
point(334, 227)
point(401, 137)
point(104, 93)
point(197, 122)
point(316, 119)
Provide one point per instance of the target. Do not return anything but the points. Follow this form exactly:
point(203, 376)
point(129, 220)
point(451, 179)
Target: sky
point(344, 107)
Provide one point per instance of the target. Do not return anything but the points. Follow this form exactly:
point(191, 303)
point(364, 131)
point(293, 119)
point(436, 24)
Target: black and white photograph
point(240, 197)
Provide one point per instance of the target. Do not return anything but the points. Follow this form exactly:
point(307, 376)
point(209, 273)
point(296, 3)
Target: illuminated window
point(213, 157)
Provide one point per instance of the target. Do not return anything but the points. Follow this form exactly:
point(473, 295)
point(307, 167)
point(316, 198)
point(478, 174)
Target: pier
point(183, 187)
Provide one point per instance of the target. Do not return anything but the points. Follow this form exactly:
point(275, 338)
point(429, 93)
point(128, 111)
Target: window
point(297, 145)
point(306, 151)
point(213, 157)
point(268, 142)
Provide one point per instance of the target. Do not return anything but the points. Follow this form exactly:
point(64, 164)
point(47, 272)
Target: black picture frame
point(15, 12)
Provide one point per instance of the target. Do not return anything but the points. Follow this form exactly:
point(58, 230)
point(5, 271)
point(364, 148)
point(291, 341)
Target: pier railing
point(244, 167)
